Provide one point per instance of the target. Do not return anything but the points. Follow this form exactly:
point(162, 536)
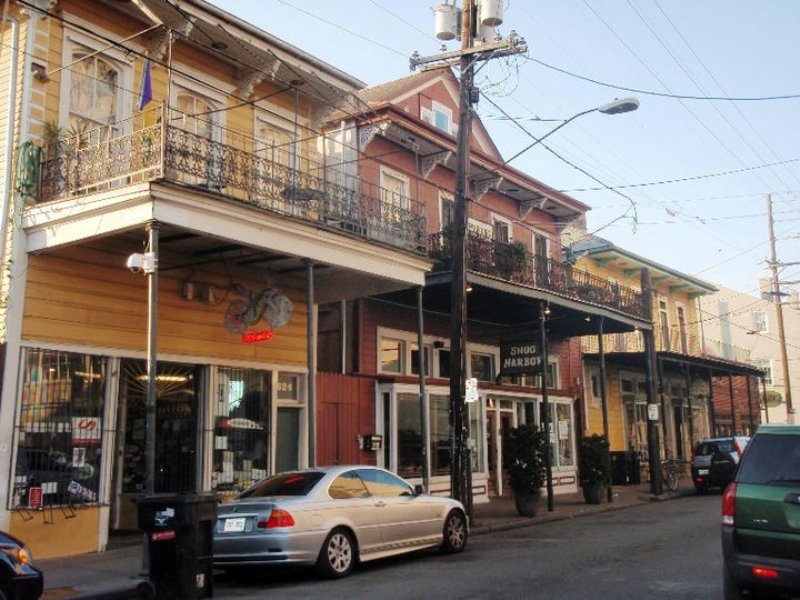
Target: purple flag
point(146, 89)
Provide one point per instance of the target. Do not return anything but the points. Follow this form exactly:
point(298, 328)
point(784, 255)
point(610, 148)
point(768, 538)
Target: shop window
point(60, 430)
point(391, 355)
point(563, 423)
point(241, 429)
point(409, 436)
point(177, 390)
point(440, 435)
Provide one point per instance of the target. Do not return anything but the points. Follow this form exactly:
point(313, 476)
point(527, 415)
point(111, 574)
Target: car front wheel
point(455, 532)
point(337, 556)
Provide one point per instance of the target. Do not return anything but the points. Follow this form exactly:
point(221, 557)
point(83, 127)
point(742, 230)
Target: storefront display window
point(241, 430)
point(409, 435)
point(60, 431)
point(561, 435)
point(177, 392)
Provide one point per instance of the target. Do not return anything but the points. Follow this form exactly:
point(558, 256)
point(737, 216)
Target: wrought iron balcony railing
point(134, 151)
point(514, 262)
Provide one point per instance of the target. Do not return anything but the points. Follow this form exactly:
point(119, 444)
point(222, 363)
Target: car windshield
point(771, 459)
point(726, 446)
point(284, 484)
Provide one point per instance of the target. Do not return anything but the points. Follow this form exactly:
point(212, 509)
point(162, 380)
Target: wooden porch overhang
point(674, 361)
point(201, 228)
point(503, 303)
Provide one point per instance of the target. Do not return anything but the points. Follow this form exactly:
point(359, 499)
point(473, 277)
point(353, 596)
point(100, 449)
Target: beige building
point(744, 327)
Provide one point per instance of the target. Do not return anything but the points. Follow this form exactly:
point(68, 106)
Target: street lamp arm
point(546, 135)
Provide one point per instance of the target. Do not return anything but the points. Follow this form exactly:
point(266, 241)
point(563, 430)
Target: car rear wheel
point(455, 533)
point(337, 556)
point(730, 589)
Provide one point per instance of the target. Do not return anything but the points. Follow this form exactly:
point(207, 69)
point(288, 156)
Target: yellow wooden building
point(693, 403)
point(163, 170)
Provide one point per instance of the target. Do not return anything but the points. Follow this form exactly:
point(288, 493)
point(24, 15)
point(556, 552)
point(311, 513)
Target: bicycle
point(670, 474)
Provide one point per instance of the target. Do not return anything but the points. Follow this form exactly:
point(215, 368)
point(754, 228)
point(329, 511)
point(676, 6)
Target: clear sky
point(731, 154)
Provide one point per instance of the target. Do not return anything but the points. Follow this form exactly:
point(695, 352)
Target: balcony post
point(548, 456)
point(712, 412)
point(687, 374)
point(311, 357)
point(604, 400)
point(733, 404)
point(766, 406)
point(750, 405)
point(652, 406)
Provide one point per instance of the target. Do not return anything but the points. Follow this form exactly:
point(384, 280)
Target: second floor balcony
point(230, 165)
point(514, 262)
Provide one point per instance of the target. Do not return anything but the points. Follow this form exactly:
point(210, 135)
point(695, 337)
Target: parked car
point(332, 518)
point(19, 579)
point(761, 516)
point(715, 461)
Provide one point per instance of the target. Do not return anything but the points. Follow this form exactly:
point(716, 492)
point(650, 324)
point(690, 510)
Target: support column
point(604, 402)
point(712, 412)
point(152, 367)
point(688, 376)
point(311, 357)
point(652, 405)
point(750, 406)
point(548, 457)
point(733, 404)
point(423, 408)
point(766, 406)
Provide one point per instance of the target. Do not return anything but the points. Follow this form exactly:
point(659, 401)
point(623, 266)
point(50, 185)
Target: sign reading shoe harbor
point(521, 357)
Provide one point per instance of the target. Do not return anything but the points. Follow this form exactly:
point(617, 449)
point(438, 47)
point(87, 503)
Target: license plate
point(702, 471)
point(234, 525)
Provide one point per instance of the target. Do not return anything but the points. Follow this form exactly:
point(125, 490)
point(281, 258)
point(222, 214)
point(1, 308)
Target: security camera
point(135, 262)
point(139, 262)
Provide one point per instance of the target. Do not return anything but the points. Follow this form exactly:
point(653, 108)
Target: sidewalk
point(92, 575)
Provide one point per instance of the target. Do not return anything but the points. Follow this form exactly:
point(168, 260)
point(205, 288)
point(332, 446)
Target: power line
point(665, 94)
point(691, 178)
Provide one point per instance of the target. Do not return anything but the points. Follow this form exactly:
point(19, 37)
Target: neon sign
point(251, 337)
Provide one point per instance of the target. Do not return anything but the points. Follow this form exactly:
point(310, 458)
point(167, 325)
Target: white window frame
point(760, 323)
point(548, 242)
point(74, 40)
point(408, 340)
point(507, 222)
point(445, 197)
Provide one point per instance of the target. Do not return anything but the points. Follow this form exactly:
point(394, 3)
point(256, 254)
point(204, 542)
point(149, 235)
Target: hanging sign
point(520, 358)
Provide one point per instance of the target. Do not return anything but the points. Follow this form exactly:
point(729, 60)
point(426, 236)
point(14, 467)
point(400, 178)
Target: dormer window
point(441, 117)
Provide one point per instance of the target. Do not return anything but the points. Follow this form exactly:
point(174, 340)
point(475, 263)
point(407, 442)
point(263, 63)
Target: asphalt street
point(655, 550)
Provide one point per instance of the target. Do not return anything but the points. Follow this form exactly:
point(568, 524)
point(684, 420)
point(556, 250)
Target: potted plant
point(594, 467)
point(525, 447)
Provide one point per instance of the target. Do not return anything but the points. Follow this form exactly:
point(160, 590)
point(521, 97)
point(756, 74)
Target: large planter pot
point(594, 493)
point(527, 506)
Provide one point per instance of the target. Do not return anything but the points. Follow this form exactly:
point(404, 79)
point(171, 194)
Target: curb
point(520, 522)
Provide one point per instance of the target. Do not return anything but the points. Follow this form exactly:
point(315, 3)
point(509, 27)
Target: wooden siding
point(84, 295)
point(594, 416)
point(345, 410)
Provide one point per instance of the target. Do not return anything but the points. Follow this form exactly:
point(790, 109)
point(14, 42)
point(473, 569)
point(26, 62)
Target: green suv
point(761, 516)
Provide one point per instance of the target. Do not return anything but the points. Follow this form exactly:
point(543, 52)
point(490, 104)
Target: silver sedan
point(332, 518)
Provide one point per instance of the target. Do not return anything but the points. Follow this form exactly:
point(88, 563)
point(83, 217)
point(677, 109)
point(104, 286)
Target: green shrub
point(595, 460)
point(525, 447)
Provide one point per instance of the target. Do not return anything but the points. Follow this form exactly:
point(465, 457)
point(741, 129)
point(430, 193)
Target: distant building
point(740, 326)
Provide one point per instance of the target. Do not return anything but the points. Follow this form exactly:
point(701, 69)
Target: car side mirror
point(418, 490)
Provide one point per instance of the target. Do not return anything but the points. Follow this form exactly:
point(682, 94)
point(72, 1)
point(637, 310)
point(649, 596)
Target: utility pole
point(776, 298)
point(469, 54)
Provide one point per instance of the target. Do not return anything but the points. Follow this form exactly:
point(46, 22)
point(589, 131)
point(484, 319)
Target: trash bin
point(180, 530)
point(625, 468)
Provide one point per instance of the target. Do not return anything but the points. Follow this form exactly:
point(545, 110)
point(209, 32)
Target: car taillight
point(765, 573)
point(729, 505)
point(277, 518)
